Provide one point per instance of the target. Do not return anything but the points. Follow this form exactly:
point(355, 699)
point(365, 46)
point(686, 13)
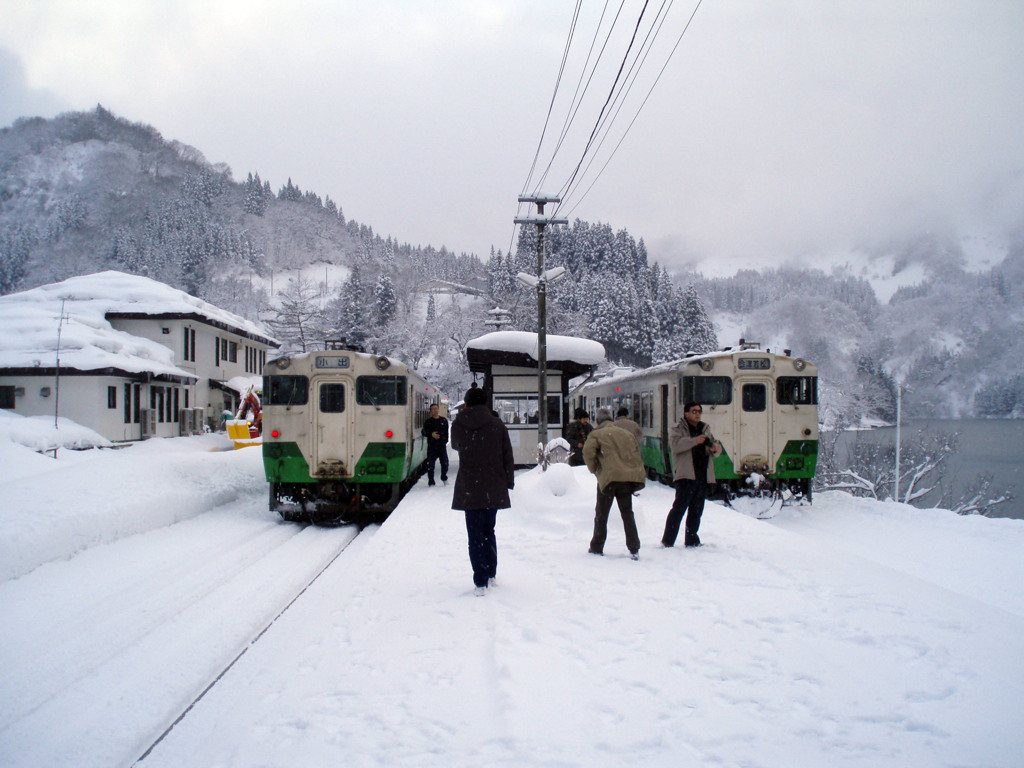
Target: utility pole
point(56, 384)
point(541, 282)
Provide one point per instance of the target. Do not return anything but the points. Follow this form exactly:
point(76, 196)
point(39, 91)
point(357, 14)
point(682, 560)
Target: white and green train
point(762, 407)
point(341, 434)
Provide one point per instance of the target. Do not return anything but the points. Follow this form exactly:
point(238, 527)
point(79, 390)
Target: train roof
point(621, 374)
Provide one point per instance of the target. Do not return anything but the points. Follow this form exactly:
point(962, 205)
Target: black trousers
point(483, 547)
point(690, 495)
point(622, 493)
point(433, 455)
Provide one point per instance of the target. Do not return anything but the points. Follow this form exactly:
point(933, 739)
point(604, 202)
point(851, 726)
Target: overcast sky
point(778, 130)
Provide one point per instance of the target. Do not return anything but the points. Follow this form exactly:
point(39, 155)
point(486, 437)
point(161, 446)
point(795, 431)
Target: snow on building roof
point(559, 348)
point(88, 342)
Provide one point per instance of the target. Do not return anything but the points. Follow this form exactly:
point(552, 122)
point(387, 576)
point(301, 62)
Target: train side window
point(706, 390)
point(381, 390)
point(755, 397)
point(332, 398)
point(797, 390)
point(286, 390)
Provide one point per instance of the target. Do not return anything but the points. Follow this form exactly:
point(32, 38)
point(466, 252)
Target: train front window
point(796, 390)
point(332, 398)
point(286, 390)
point(706, 390)
point(755, 397)
point(381, 390)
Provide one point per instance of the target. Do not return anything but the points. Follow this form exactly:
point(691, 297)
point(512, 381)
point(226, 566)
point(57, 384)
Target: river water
point(986, 446)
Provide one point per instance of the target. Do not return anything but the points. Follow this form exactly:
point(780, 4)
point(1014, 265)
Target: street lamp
point(540, 282)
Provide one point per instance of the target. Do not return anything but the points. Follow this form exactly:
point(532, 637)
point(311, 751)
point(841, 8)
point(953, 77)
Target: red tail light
point(275, 433)
point(389, 433)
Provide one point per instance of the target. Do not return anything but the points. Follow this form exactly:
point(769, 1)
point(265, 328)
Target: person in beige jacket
point(622, 420)
point(613, 455)
point(693, 447)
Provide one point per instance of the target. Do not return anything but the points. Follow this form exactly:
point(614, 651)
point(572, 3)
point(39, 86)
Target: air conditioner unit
point(148, 422)
point(197, 420)
point(184, 421)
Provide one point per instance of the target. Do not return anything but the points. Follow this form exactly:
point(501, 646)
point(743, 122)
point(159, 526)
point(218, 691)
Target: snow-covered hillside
point(849, 633)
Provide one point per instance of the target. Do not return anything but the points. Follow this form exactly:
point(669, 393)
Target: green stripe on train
point(798, 460)
point(380, 463)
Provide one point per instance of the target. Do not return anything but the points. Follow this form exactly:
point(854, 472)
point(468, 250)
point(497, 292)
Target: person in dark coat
point(576, 435)
point(693, 447)
point(486, 475)
point(435, 429)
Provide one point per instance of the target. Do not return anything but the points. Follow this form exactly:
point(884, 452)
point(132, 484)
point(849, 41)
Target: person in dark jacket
point(693, 447)
point(435, 429)
point(576, 435)
point(486, 475)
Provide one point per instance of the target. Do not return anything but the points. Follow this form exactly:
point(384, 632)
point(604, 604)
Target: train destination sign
point(332, 362)
point(754, 364)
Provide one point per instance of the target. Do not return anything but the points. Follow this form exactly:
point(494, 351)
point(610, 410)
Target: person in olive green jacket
point(613, 455)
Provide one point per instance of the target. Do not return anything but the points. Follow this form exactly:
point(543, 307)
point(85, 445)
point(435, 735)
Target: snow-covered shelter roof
point(29, 321)
point(568, 353)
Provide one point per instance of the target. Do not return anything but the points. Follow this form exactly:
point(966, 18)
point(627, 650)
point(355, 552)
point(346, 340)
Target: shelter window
point(381, 390)
point(706, 390)
point(521, 409)
point(286, 390)
point(111, 397)
point(7, 397)
point(796, 390)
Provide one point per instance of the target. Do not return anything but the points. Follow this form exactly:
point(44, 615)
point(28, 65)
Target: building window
point(216, 351)
point(111, 397)
point(7, 397)
point(232, 352)
point(190, 344)
point(137, 403)
point(127, 403)
point(223, 350)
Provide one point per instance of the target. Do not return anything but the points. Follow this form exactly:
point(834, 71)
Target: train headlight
point(389, 434)
point(799, 363)
point(707, 364)
point(283, 362)
point(382, 363)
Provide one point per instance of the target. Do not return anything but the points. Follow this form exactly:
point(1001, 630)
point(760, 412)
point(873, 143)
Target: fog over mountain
point(89, 191)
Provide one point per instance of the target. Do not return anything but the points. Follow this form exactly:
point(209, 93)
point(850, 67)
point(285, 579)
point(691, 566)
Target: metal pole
point(899, 414)
point(542, 321)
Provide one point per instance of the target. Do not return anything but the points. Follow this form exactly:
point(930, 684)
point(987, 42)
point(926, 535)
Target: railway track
point(140, 630)
point(242, 652)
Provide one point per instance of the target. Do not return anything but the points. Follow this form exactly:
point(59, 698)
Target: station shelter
point(508, 362)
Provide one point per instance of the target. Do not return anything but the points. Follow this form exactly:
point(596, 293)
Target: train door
point(754, 436)
point(333, 427)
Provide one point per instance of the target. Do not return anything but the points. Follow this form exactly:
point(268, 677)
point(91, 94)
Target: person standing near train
point(435, 429)
point(613, 455)
point(576, 435)
point(622, 420)
point(486, 475)
point(693, 447)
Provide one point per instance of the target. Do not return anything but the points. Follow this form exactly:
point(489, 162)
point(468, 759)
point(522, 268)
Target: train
point(761, 406)
point(341, 434)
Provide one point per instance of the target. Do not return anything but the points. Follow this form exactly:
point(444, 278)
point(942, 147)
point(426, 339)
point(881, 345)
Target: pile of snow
point(565, 348)
point(30, 320)
point(39, 433)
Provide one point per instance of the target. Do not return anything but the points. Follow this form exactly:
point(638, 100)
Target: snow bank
point(100, 496)
point(568, 348)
